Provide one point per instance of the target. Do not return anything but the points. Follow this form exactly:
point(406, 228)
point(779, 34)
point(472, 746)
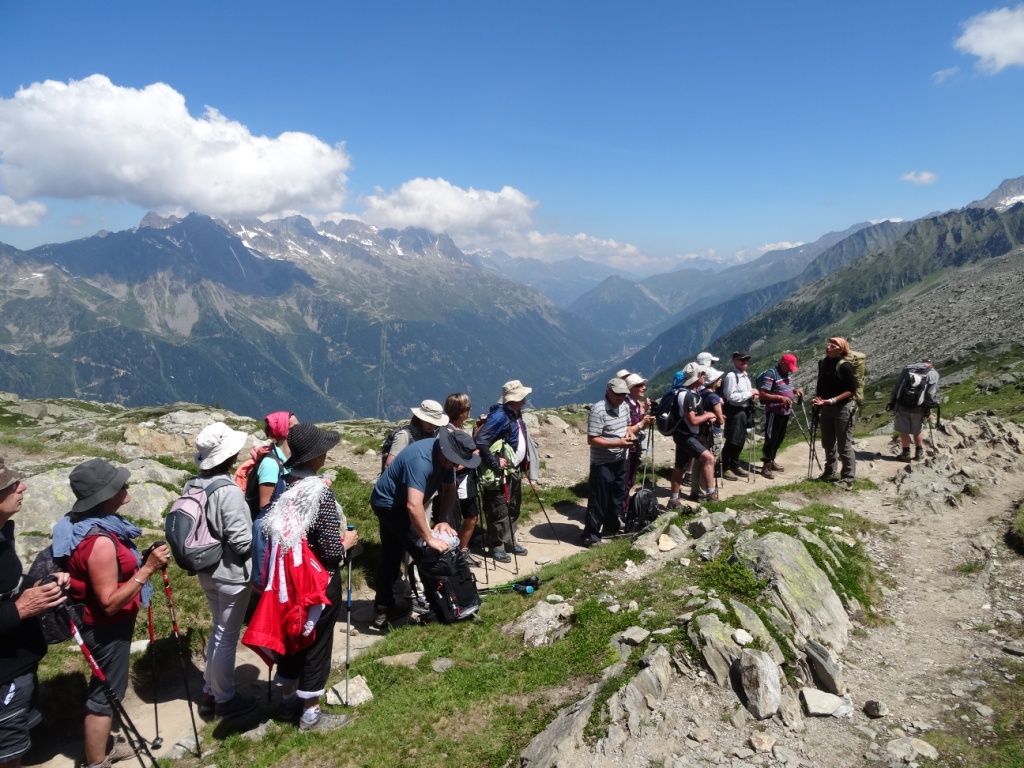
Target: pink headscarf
point(277, 425)
point(843, 345)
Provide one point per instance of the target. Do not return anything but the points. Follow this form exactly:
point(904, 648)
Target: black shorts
point(687, 447)
point(17, 716)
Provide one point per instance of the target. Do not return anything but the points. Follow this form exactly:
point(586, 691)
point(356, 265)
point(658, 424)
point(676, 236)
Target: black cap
point(741, 354)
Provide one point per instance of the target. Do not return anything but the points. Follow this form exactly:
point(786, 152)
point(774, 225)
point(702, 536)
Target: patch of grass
point(970, 567)
point(733, 579)
point(190, 466)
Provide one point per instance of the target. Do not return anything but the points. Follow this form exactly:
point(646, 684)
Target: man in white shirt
point(739, 398)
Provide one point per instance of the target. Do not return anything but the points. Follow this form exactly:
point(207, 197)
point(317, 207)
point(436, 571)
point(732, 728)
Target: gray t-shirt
point(609, 422)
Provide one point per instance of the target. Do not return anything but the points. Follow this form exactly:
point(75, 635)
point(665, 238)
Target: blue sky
point(635, 134)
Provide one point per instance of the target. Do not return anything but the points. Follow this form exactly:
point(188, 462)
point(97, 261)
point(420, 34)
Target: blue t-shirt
point(269, 470)
point(415, 468)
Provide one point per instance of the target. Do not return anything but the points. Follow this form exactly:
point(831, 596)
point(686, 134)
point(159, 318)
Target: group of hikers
point(283, 539)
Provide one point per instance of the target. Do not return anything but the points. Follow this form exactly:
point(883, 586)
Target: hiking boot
point(517, 550)
point(208, 705)
point(843, 484)
point(471, 560)
point(380, 618)
point(687, 479)
point(589, 540)
point(729, 475)
point(674, 504)
point(766, 472)
point(710, 495)
point(501, 556)
point(420, 605)
point(827, 477)
point(905, 455)
point(774, 465)
point(323, 722)
point(918, 454)
point(237, 706)
point(740, 472)
point(120, 750)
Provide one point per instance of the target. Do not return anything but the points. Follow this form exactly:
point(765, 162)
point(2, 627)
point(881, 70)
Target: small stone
point(909, 748)
point(982, 710)
point(542, 560)
point(665, 543)
point(701, 735)
point(1014, 649)
point(442, 665)
point(762, 742)
point(875, 709)
point(741, 637)
point(553, 598)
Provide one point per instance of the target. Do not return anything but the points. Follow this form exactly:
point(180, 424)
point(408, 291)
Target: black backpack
point(449, 585)
point(666, 415)
point(641, 511)
point(385, 447)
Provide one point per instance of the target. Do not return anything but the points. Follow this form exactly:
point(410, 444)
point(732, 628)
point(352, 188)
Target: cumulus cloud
point(920, 177)
point(944, 74)
point(15, 214)
point(92, 139)
point(996, 38)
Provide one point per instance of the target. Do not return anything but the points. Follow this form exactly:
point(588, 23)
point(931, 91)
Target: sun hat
point(431, 412)
point(95, 481)
point(308, 441)
point(618, 386)
point(691, 373)
point(706, 359)
point(8, 476)
point(514, 391)
point(742, 354)
point(458, 447)
point(790, 360)
point(712, 375)
point(633, 379)
point(217, 443)
point(622, 374)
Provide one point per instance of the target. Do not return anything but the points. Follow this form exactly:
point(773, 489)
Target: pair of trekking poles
point(139, 744)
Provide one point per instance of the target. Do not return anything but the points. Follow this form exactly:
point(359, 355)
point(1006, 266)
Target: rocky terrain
point(945, 620)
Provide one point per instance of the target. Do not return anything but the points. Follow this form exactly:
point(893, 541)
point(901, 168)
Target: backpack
point(192, 543)
point(759, 382)
point(385, 447)
point(641, 511)
point(913, 386)
point(247, 476)
point(449, 585)
point(856, 360)
point(666, 414)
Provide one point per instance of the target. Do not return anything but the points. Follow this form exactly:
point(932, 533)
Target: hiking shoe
point(323, 722)
point(120, 750)
point(843, 484)
point(380, 618)
point(905, 455)
point(501, 556)
point(729, 475)
point(711, 496)
point(827, 477)
point(471, 560)
point(208, 705)
point(740, 472)
point(420, 605)
point(589, 540)
point(237, 706)
point(918, 454)
point(774, 465)
point(687, 479)
point(674, 504)
point(766, 472)
point(517, 550)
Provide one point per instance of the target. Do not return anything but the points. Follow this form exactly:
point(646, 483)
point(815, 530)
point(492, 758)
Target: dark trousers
point(736, 422)
point(605, 491)
point(503, 516)
point(775, 426)
point(396, 539)
point(312, 665)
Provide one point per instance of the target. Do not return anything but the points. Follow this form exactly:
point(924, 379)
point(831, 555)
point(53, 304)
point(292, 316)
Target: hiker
point(109, 576)
point(775, 389)
point(610, 436)
point(270, 475)
point(227, 584)
point(688, 447)
point(457, 408)
point(507, 450)
point(639, 406)
point(913, 397)
point(424, 423)
point(21, 638)
point(705, 359)
point(421, 470)
point(306, 517)
point(739, 398)
point(711, 431)
point(837, 410)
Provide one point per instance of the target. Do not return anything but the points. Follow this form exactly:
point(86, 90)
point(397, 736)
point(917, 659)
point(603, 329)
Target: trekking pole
point(511, 527)
point(348, 622)
point(135, 739)
point(542, 509)
point(481, 508)
point(157, 742)
point(751, 474)
point(812, 455)
point(181, 657)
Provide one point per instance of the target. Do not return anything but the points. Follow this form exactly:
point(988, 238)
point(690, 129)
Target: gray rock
point(826, 667)
point(561, 738)
point(761, 681)
point(540, 625)
point(875, 709)
point(358, 693)
point(442, 665)
point(751, 622)
point(789, 710)
point(713, 639)
point(818, 703)
point(909, 748)
point(409, 660)
point(762, 742)
point(634, 635)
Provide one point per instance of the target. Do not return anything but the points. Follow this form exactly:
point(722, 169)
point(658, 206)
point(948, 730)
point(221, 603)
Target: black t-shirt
point(835, 376)
point(21, 640)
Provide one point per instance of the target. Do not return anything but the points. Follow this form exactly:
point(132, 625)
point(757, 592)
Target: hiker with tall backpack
point(22, 643)
point(710, 431)
point(639, 406)
point(688, 447)
point(739, 398)
point(610, 436)
point(775, 389)
point(839, 387)
point(913, 396)
point(226, 581)
point(424, 423)
point(111, 578)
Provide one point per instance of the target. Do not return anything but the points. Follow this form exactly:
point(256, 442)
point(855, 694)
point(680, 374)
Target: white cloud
point(15, 214)
point(92, 139)
point(945, 74)
point(996, 38)
point(920, 177)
